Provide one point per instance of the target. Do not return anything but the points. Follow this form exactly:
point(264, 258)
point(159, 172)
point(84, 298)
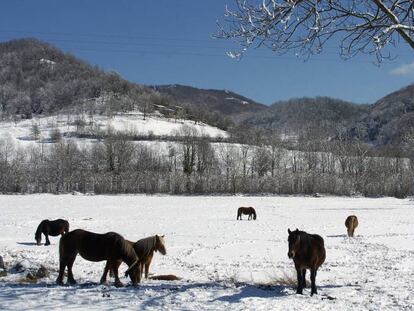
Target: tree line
point(194, 165)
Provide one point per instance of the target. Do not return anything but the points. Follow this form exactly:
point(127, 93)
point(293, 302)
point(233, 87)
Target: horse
point(110, 246)
point(351, 223)
point(307, 252)
point(51, 227)
point(144, 249)
point(246, 211)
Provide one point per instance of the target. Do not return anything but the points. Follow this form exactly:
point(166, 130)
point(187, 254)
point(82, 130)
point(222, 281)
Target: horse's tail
point(354, 225)
point(355, 222)
point(349, 230)
point(254, 214)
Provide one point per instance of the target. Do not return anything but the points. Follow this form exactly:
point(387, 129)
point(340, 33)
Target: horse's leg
point(47, 238)
point(114, 269)
point(147, 269)
point(304, 278)
point(62, 266)
point(115, 264)
point(313, 279)
point(71, 260)
point(147, 264)
point(105, 273)
point(141, 268)
point(299, 289)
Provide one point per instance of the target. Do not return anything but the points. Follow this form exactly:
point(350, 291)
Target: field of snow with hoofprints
point(224, 264)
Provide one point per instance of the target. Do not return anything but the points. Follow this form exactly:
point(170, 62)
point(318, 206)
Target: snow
point(225, 264)
point(47, 61)
point(20, 132)
point(243, 102)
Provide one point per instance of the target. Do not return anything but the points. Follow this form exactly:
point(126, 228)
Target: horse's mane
point(145, 246)
point(128, 253)
point(40, 228)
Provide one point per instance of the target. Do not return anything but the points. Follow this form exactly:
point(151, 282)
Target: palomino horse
point(144, 249)
point(51, 227)
point(97, 247)
point(351, 223)
point(307, 252)
point(246, 211)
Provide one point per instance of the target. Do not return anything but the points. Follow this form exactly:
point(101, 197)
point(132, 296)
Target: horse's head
point(134, 272)
point(38, 238)
point(294, 243)
point(254, 216)
point(160, 244)
point(38, 233)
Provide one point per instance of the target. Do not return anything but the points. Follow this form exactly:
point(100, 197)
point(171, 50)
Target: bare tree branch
point(305, 26)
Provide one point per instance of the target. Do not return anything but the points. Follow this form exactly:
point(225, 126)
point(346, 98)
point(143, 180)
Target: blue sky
point(169, 42)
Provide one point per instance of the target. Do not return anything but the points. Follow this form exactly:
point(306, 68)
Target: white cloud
point(403, 70)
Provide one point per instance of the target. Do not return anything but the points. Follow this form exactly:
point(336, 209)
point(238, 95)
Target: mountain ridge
point(36, 77)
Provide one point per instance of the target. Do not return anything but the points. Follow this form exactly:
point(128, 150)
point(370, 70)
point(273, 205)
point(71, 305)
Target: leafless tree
point(305, 26)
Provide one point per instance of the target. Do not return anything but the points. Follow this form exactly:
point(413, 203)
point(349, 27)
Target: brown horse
point(246, 211)
point(144, 249)
point(51, 227)
point(351, 223)
point(97, 247)
point(307, 252)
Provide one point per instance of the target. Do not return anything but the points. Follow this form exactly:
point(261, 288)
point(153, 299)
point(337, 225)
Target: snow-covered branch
point(305, 26)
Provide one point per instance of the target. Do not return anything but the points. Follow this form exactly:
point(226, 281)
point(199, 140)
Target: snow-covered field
point(225, 264)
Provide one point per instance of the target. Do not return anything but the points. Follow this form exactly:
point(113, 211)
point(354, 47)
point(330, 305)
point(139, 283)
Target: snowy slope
point(20, 132)
point(225, 264)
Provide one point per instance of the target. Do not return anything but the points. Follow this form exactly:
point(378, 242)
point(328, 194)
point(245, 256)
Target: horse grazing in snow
point(110, 246)
point(246, 211)
point(351, 223)
point(51, 227)
point(144, 249)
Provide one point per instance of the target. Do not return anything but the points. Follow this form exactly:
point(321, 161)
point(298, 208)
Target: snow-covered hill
point(22, 132)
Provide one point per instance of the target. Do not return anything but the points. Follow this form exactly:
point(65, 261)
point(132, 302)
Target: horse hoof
point(72, 282)
point(119, 284)
point(59, 282)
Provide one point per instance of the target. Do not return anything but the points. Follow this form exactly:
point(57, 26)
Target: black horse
point(307, 252)
point(51, 227)
point(246, 211)
point(97, 247)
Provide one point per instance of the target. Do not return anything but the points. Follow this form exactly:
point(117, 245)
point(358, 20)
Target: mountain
point(322, 116)
point(227, 103)
point(389, 119)
point(36, 78)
